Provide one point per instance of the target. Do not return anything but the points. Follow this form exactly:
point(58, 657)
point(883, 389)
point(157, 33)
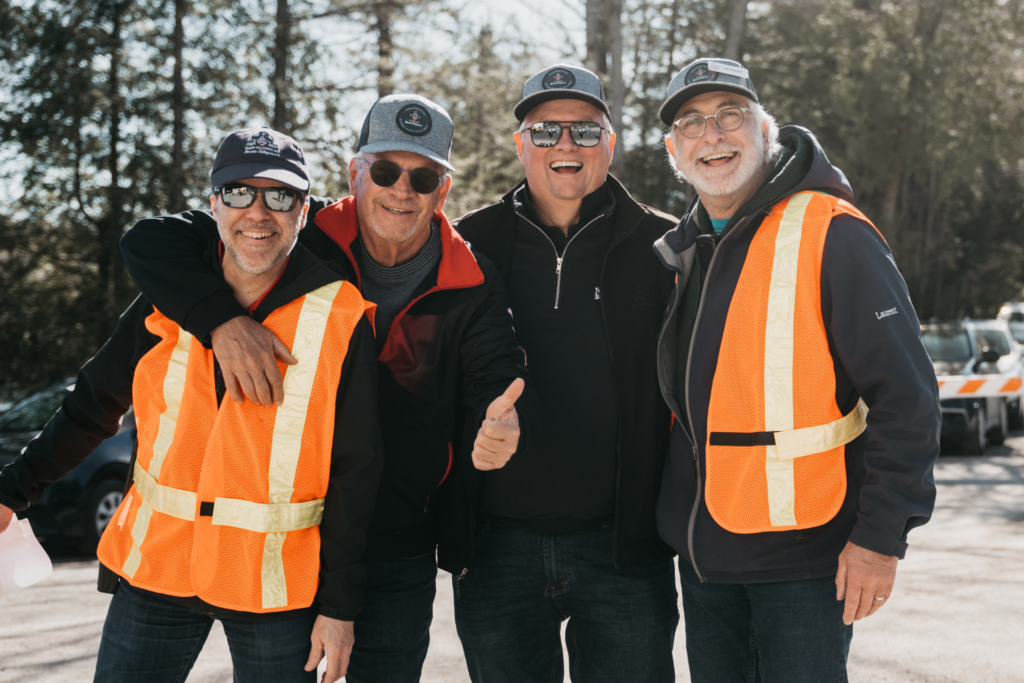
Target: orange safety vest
point(226, 501)
point(776, 437)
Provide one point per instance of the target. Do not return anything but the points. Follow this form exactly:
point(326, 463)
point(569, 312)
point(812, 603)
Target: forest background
point(112, 110)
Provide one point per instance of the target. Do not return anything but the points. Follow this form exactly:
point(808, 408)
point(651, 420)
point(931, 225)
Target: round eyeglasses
point(727, 119)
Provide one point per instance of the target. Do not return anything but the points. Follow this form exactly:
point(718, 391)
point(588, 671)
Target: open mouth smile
point(397, 212)
point(718, 159)
point(255, 235)
point(566, 167)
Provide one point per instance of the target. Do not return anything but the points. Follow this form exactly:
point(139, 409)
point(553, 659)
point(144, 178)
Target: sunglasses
point(386, 173)
point(548, 133)
point(274, 198)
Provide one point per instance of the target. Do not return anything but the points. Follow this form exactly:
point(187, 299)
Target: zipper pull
point(558, 265)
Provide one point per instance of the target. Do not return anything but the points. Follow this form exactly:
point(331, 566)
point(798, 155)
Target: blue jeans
point(147, 638)
point(510, 605)
point(785, 632)
point(393, 630)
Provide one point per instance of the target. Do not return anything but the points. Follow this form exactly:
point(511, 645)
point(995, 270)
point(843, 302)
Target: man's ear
point(443, 197)
point(670, 144)
point(764, 134)
point(305, 213)
point(353, 167)
point(518, 137)
point(611, 144)
point(213, 205)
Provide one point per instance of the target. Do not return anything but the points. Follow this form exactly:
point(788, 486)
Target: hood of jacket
point(802, 165)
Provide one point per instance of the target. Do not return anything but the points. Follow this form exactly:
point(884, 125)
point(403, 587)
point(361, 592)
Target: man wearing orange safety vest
point(255, 515)
point(806, 415)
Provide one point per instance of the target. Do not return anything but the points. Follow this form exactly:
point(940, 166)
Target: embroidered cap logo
point(414, 120)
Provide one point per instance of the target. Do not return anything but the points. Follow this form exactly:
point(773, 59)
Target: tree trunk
point(736, 30)
point(176, 192)
point(597, 36)
point(281, 44)
point(618, 90)
point(385, 49)
point(672, 42)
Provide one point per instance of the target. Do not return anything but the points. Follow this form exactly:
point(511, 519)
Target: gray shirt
point(392, 288)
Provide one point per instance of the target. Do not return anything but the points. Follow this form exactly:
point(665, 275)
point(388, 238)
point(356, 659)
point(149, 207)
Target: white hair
point(761, 116)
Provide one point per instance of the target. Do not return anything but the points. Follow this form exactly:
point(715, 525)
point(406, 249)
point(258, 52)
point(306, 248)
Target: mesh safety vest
point(776, 437)
point(227, 500)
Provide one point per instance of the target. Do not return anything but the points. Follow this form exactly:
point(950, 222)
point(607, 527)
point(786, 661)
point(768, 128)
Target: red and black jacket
point(448, 354)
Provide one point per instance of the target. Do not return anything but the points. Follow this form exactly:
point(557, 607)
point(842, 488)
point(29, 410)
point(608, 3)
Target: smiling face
point(256, 239)
point(397, 213)
point(566, 171)
point(721, 164)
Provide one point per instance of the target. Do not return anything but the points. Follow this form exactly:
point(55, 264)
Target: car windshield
point(995, 340)
point(947, 345)
point(1018, 334)
point(32, 413)
point(1015, 317)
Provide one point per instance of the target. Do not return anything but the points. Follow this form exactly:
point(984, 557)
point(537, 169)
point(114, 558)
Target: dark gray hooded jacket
point(890, 487)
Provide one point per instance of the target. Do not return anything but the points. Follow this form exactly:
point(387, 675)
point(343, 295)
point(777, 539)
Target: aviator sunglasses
point(548, 133)
point(386, 173)
point(242, 196)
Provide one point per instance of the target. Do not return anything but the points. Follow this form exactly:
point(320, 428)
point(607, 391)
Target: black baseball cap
point(260, 153)
point(561, 82)
point(709, 74)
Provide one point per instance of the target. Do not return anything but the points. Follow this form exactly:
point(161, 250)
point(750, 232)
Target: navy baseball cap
point(561, 82)
point(260, 153)
point(408, 123)
point(705, 75)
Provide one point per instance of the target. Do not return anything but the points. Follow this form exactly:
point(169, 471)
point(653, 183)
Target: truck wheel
point(1016, 415)
point(99, 510)
point(975, 444)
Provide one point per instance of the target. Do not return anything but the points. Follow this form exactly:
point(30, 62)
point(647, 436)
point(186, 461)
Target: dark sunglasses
point(386, 173)
point(548, 133)
point(274, 198)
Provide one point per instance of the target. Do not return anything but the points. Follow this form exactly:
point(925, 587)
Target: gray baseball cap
point(561, 82)
point(408, 123)
point(705, 75)
point(260, 153)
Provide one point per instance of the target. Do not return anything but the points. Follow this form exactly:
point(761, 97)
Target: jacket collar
point(458, 268)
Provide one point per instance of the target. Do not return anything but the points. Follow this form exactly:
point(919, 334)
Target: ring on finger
point(880, 598)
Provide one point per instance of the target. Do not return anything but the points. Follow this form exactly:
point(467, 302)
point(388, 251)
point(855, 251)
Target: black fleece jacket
point(103, 393)
point(890, 486)
point(623, 323)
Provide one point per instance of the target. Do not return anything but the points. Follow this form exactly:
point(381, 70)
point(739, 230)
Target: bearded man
point(806, 422)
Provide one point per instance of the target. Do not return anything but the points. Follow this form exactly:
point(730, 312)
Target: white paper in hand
point(23, 561)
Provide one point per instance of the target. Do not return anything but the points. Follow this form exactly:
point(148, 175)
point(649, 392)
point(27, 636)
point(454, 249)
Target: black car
point(79, 506)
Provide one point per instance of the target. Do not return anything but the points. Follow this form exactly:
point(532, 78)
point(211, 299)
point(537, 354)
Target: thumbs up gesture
point(499, 434)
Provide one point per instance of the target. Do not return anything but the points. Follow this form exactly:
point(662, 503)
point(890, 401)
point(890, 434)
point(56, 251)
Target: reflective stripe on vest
point(259, 549)
point(776, 438)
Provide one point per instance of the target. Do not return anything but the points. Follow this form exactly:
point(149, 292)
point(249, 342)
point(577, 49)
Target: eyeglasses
point(274, 198)
point(386, 173)
point(727, 119)
point(548, 133)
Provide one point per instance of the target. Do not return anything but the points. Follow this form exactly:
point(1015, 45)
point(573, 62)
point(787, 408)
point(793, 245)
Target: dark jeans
point(785, 632)
point(146, 638)
point(393, 630)
point(510, 605)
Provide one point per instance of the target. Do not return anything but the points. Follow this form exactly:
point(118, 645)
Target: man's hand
point(6, 515)
point(863, 576)
point(247, 352)
point(499, 434)
point(335, 639)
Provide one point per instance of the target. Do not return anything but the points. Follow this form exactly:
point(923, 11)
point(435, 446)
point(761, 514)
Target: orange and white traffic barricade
point(980, 386)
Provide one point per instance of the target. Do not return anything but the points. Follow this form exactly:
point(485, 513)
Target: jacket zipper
point(692, 522)
point(559, 259)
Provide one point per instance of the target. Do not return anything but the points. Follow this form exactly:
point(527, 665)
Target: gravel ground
point(957, 613)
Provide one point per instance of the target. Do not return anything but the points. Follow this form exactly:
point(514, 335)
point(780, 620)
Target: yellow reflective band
point(170, 501)
point(778, 357)
point(278, 517)
point(174, 389)
point(810, 440)
point(288, 427)
point(298, 385)
point(142, 517)
point(275, 587)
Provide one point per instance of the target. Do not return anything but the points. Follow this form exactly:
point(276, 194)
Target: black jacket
point(102, 393)
point(447, 356)
point(634, 290)
point(890, 487)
